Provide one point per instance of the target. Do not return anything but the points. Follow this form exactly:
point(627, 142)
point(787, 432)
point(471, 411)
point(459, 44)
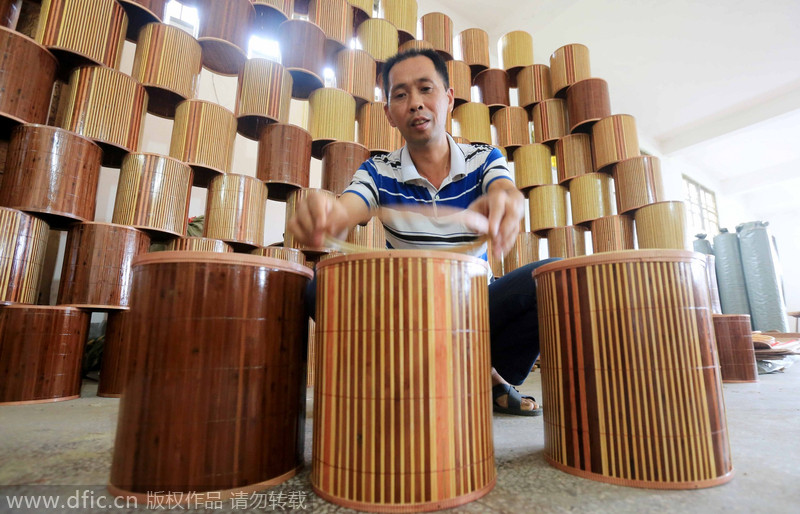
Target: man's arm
point(504, 206)
point(318, 215)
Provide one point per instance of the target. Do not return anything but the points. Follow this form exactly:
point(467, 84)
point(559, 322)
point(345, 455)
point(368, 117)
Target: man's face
point(418, 102)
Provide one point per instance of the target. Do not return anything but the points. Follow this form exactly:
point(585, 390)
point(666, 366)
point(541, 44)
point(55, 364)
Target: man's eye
point(426, 89)
point(399, 95)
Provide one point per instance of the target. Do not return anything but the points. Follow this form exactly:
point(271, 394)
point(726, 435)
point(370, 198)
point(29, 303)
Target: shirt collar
point(458, 164)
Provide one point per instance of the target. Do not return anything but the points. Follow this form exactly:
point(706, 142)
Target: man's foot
point(507, 400)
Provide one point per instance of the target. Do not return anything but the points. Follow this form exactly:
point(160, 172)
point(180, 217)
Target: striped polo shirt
point(392, 182)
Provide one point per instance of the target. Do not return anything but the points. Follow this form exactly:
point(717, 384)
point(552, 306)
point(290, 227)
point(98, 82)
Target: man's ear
point(450, 100)
point(389, 115)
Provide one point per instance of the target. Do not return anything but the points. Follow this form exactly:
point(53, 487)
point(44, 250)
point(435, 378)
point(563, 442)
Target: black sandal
point(514, 401)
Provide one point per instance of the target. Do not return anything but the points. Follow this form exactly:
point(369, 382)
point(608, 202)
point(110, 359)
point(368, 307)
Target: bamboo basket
point(472, 122)
point(374, 130)
point(548, 207)
point(284, 254)
point(737, 357)
point(512, 128)
point(356, 74)
point(295, 197)
point(567, 242)
point(493, 87)
point(474, 46)
point(371, 235)
point(271, 13)
point(639, 183)
point(415, 44)
point(573, 156)
point(662, 225)
point(23, 246)
point(403, 15)
point(116, 356)
point(224, 34)
point(235, 210)
point(568, 65)
point(532, 166)
point(284, 159)
point(303, 55)
point(590, 197)
point(331, 117)
point(437, 28)
point(379, 38)
point(612, 233)
point(24, 96)
point(614, 139)
point(587, 103)
point(460, 81)
point(524, 251)
point(549, 120)
point(198, 244)
point(340, 160)
point(140, 13)
point(533, 84)
point(362, 11)
point(203, 136)
point(263, 96)
point(335, 18)
point(515, 50)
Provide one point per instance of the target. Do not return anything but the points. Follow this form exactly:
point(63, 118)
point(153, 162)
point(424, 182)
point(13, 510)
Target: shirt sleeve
point(495, 167)
point(363, 185)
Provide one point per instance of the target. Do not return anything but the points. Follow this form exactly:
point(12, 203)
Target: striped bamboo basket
point(614, 139)
point(639, 182)
point(82, 32)
point(371, 235)
point(532, 167)
point(587, 103)
point(312, 353)
point(713, 286)
point(379, 38)
point(438, 29)
point(415, 44)
point(302, 46)
point(279, 252)
point(403, 15)
point(573, 156)
point(140, 13)
point(524, 251)
point(153, 194)
point(263, 96)
point(567, 242)
point(335, 18)
point(224, 34)
point(493, 87)
point(472, 122)
point(374, 130)
point(52, 173)
point(24, 96)
point(235, 210)
point(515, 50)
point(568, 65)
point(402, 417)
point(23, 245)
point(737, 357)
point(362, 11)
point(340, 160)
point(662, 225)
point(116, 356)
point(629, 371)
point(41, 348)
point(590, 197)
point(198, 244)
point(108, 107)
point(474, 46)
point(548, 207)
point(512, 128)
point(271, 13)
point(203, 136)
point(460, 81)
point(167, 63)
point(96, 274)
point(612, 233)
point(295, 198)
point(549, 120)
point(331, 117)
point(533, 85)
point(356, 73)
point(284, 159)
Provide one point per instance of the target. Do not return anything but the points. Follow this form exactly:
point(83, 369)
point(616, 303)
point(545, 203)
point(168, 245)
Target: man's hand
point(320, 214)
point(504, 206)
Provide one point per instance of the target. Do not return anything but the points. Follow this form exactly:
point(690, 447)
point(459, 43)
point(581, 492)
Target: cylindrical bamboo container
point(203, 136)
point(438, 29)
point(632, 403)
point(235, 210)
point(9, 13)
point(533, 83)
point(474, 46)
point(612, 233)
point(567, 242)
point(52, 173)
point(335, 18)
point(549, 120)
point(548, 207)
point(662, 225)
point(271, 13)
point(167, 63)
point(24, 96)
point(638, 182)
point(224, 34)
point(356, 74)
point(587, 103)
point(263, 96)
point(198, 244)
point(340, 160)
point(415, 44)
point(140, 13)
point(108, 107)
point(573, 156)
point(153, 194)
point(295, 197)
point(284, 159)
point(379, 38)
point(460, 80)
point(23, 244)
point(524, 251)
point(472, 122)
point(493, 87)
point(429, 400)
point(303, 55)
point(41, 348)
point(515, 50)
point(362, 11)
point(116, 356)
point(279, 252)
point(82, 32)
point(402, 14)
point(737, 357)
point(371, 235)
point(532, 166)
point(614, 139)
point(568, 65)
point(512, 128)
point(374, 130)
point(331, 117)
point(590, 197)
point(221, 339)
point(96, 274)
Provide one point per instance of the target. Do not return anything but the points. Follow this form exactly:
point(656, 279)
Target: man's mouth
point(419, 121)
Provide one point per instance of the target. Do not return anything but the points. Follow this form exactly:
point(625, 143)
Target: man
point(433, 174)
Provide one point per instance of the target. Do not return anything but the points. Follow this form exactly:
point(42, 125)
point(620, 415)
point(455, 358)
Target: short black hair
point(433, 55)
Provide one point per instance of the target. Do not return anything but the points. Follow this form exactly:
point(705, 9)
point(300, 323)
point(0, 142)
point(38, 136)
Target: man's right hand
point(319, 214)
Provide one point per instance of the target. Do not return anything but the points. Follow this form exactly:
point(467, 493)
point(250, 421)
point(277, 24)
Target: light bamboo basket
point(515, 50)
point(524, 251)
point(263, 96)
point(235, 210)
point(548, 207)
point(639, 182)
point(374, 130)
point(474, 46)
point(198, 244)
point(23, 243)
point(285, 254)
point(533, 166)
point(513, 131)
point(356, 73)
point(460, 80)
point(612, 233)
point(568, 65)
point(331, 117)
point(662, 225)
point(473, 123)
point(203, 136)
point(371, 235)
point(402, 14)
point(379, 38)
point(549, 120)
point(614, 139)
point(573, 156)
point(533, 85)
point(567, 242)
point(591, 197)
point(437, 28)
point(335, 18)
point(362, 11)
point(415, 44)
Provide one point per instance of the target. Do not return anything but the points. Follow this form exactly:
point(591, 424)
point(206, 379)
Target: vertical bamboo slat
point(198, 244)
point(23, 242)
point(474, 46)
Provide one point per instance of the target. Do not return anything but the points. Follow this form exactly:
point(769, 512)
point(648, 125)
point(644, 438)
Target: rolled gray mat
point(762, 273)
point(702, 245)
point(730, 275)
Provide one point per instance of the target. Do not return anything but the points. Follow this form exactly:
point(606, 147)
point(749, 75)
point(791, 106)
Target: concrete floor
point(64, 448)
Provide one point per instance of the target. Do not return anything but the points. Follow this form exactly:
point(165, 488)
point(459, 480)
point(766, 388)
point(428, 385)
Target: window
point(183, 17)
point(264, 48)
point(701, 208)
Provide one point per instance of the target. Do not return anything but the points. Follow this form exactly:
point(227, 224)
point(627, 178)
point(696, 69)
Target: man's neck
point(432, 161)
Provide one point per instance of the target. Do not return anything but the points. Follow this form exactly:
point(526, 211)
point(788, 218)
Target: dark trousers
point(513, 321)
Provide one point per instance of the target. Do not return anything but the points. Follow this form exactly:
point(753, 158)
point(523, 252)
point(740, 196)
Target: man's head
point(436, 59)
